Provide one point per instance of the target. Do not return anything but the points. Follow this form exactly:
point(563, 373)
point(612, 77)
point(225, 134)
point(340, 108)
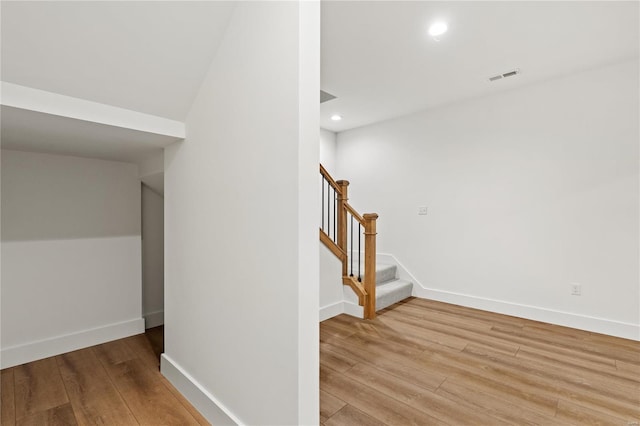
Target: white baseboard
point(153, 319)
point(212, 409)
point(567, 319)
point(353, 309)
point(40, 349)
point(331, 311)
point(402, 272)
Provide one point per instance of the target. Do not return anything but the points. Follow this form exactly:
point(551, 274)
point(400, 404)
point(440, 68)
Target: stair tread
point(392, 292)
point(379, 267)
point(390, 286)
point(382, 265)
point(384, 272)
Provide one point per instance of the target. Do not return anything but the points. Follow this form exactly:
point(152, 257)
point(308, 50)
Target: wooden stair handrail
point(333, 247)
point(329, 179)
point(365, 290)
point(355, 214)
point(342, 221)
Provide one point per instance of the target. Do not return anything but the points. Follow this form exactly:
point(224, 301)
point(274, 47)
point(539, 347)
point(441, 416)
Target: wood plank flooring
point(422, 362)
point(418, 363)
point(116, 383)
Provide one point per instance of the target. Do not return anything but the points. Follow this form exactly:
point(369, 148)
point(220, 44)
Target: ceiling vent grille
point(505, 75)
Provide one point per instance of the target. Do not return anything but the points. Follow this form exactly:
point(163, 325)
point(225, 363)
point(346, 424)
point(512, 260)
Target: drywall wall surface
point(308, 206)
point(330, 278)
point(152, 257)
point(62, 197)
point(330, 266)
point(151, 165)
point(70, 252)
point(328, 151)
point(527, 192)
point(233, 243)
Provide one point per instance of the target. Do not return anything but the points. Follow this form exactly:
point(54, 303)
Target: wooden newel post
point(370, 264)
point(343, 197)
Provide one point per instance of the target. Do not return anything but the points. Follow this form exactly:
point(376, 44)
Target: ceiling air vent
point(324, 96)
point(505, 75)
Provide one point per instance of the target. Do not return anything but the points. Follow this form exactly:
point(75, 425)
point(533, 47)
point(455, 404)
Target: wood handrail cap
point(370, 215)
point(342, 182)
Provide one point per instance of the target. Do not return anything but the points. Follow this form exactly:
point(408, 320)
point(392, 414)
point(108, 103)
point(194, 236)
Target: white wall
point(152, 257)
point(70, 254)
point(308, 206)
point(240, 339)
point(331, 288)
point(151, 171)
point(328, 150)
point(330, 266)
point(527, 192)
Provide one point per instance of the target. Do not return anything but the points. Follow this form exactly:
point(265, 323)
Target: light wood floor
point(422, 362)
point(117, 383)
point(419, 363)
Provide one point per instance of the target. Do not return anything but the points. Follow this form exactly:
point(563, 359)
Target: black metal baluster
point(359, 260)
point(322, 210)
point(328, 207)
point(335, 215)
point(333, 219)
point(351, 247)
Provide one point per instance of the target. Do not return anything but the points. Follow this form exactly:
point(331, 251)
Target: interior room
point(468, 251)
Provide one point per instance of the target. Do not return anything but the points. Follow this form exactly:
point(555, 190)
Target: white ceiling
point(378, 59)
point(144, 56)
point(151, 57)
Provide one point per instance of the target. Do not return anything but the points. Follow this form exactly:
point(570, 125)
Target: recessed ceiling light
point(438, 28)
point(336, 117)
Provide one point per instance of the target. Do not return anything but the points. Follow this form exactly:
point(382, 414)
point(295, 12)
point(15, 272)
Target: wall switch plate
point(576, 289)
point(422, 210)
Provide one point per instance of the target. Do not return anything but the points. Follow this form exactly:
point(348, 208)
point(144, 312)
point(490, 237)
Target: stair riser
point(384, 274)
point(395, 296)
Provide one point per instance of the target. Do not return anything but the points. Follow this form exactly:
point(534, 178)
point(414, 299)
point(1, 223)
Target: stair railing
point(339, 223)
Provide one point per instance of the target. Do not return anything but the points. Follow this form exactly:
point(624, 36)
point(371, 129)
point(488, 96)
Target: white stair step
point(392, 292)
point(384, 273)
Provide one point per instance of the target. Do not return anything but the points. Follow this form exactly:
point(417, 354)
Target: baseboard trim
point(40, 349)
point(566, 319)
point(535, 313)
point(212, 409)
point(402, 272)
point(153, 319)
point(353, 309)
point(331, 310)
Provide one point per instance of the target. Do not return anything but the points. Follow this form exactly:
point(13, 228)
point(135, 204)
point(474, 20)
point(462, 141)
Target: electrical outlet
point(422, 210)
point(576, 289)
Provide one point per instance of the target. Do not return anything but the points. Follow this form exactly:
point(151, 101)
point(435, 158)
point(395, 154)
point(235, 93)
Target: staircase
point(389, 288)
point(375, 286)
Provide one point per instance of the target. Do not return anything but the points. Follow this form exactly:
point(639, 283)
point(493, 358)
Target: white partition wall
point(241, 249)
